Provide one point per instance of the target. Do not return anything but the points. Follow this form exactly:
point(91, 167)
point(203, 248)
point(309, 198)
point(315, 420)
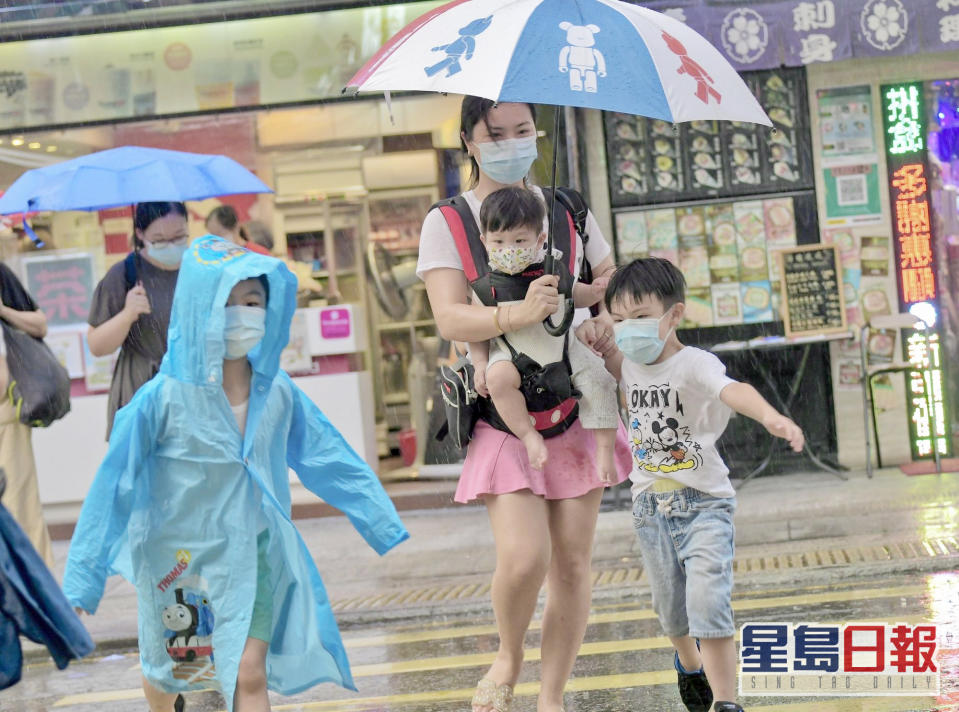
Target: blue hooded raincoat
point(181, 499)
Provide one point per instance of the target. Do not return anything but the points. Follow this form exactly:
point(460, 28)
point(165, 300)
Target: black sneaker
point(694, 688)
point(727, 707)
point(178, 703)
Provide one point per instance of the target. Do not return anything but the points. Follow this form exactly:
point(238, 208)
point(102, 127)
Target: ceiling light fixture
point(34, 145)
point(18, 141)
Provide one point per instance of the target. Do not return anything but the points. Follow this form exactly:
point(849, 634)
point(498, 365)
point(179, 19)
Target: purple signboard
point(884, 27)
point(335, 323)
point(798, 32)
point(939, 25)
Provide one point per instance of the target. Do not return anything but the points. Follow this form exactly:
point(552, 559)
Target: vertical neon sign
point(905, 132)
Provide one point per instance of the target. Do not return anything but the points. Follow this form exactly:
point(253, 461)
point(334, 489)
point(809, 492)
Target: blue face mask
point(244, 328)
point(167, 254)
point(507, 161)
point(639, 340)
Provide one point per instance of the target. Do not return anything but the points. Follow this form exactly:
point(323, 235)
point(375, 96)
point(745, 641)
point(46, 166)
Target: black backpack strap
point(472, 251)
point(130, 270)
point(574, 202)
point(564, 230)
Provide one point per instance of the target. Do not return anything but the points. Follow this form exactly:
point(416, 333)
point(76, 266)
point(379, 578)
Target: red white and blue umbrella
point(595, 54)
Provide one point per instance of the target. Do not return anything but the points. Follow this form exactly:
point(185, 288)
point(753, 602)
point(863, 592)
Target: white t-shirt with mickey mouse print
point(675, 419)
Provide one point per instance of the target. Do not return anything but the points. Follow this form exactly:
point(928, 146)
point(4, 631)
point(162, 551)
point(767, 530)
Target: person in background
point(22, 499)
point(257, 237)
point(223, 222)
point(130, 309)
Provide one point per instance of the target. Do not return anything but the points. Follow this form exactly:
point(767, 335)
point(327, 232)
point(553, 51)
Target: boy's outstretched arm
point(331, 469)
point(745, 399)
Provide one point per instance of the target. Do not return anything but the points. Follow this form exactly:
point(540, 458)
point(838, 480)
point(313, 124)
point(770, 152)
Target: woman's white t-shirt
point(675, 419)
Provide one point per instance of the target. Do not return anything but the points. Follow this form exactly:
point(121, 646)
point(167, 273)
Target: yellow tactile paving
point(635, 614)
point(619, 575)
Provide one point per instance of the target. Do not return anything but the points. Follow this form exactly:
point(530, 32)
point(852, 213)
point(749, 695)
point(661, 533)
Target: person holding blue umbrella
point(131, 306)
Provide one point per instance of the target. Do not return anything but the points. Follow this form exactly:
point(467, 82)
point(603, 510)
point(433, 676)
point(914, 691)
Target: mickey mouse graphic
point(669, 441)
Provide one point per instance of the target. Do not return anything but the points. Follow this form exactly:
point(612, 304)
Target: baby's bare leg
point(502, 379)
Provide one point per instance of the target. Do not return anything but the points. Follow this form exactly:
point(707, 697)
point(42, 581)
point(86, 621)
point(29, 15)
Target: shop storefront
point(724, 201)
point(886, 161)
point(348, 176)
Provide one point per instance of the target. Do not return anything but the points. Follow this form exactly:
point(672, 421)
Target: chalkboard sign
point(812, 290)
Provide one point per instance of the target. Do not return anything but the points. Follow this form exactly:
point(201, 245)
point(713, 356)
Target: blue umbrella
point(125, 176)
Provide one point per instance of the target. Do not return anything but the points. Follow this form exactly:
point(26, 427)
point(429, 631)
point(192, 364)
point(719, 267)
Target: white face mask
point(244, 328)
point(512, 259)
point(507, 161)
point(168, 254)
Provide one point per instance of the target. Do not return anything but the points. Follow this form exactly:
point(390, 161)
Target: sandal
point(489, 694)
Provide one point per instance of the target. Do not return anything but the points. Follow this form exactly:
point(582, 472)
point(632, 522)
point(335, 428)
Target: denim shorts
point(686, 538)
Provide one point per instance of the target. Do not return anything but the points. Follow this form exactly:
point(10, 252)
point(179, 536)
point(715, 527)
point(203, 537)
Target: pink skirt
point(496, 463)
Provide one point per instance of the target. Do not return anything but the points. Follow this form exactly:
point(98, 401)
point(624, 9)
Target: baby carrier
point(551, 399)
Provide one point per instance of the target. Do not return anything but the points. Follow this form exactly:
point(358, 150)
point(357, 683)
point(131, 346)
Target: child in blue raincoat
point(192, 503)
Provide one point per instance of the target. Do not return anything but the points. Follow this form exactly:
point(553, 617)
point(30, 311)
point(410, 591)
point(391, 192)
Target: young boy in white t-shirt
point(679, 400)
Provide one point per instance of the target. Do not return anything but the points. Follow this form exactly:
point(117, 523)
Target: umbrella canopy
point(128, 175)
point(596, 54)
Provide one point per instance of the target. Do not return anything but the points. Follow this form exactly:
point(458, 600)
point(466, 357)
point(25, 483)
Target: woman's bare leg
point(521, 531)
point(572, 524)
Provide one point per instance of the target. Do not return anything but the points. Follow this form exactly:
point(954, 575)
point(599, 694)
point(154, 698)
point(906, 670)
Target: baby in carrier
point(511, 227)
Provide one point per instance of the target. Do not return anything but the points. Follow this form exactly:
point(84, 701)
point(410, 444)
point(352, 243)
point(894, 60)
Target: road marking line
point(601, 647)
point(743, 604)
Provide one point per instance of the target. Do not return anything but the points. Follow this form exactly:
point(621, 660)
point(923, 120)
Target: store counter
point(69, 452)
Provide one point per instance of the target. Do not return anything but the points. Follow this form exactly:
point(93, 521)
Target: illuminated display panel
point(905, 140)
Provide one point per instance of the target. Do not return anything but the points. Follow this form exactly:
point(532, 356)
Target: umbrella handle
point(561, 328)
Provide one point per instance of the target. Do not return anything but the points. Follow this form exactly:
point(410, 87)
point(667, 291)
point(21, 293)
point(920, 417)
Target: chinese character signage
point(905, 127)
point(818, 33)
point(780, 659)
point(62, 286)
point(912, 224)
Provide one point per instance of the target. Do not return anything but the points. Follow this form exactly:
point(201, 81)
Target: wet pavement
point(419, 630)
point(430, 665)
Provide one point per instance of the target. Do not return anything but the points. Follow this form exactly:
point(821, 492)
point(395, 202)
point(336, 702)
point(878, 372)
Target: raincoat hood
point(211, 268)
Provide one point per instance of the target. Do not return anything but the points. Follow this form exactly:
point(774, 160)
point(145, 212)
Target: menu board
point(812, 290)
point(654, 161)
point(724, 250)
